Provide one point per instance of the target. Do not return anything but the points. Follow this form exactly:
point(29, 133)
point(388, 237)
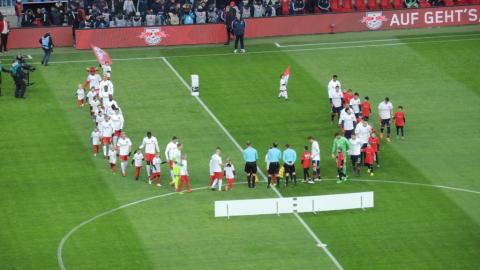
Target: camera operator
point(47, 46)
point(20, 72)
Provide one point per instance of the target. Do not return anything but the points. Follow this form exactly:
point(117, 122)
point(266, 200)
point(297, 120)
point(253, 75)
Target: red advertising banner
point(21, 38)
point(281, 26)
point(256, 27)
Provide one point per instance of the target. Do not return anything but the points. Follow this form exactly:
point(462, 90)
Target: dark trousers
point(20, 87)
point(3, 44)
point(238, 38)
point(46, 56)
point(229, 33)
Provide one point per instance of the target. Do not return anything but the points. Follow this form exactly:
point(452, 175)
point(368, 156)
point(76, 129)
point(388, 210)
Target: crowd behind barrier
point(125, 13)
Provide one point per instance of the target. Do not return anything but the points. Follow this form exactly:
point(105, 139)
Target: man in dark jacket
point(229, 18)
point(238, 26)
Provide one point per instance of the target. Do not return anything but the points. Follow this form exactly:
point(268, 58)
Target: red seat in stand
point(474, 2)
point(360, 5)
point(449, 3)
point(462, 2)
point(385, 4)
point(347, 5)
point(372, 5)
point(397, 4)
point(424, 4)
point(335, 6)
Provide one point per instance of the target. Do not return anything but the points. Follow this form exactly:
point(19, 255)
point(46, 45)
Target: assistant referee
point(250, 156)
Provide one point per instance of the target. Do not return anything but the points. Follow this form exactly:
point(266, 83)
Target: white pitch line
point(269, 51)
point(229, 135)
point(372, 40)
point(72, 231)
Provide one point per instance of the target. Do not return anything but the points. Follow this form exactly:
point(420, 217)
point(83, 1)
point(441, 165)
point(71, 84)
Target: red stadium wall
point(281, 26)
point(261, 27)
point(21, 38)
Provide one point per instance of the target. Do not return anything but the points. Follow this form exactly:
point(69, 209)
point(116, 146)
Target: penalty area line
point(234, 141)
point(278, 45)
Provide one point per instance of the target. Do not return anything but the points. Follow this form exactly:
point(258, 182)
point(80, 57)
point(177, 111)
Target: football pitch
point(62, 208)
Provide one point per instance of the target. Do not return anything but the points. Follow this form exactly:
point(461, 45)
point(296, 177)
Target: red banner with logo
point(281, 26)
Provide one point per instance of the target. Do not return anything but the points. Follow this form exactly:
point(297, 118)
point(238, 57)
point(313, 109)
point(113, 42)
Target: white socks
point(148, 170)
point(124, 166)
point(219, 181)
point(104, 150)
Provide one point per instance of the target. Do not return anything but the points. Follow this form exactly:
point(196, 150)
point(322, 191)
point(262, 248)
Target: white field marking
point(268, 51)
point(76, 228)
point(232, 139)
point(372, 40)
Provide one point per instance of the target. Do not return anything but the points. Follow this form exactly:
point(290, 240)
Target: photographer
point(20, 72)
point(47, 46)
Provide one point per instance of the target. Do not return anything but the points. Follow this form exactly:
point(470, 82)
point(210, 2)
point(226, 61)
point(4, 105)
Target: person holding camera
point(47, 46)
point(19, 72)
point(238, 27)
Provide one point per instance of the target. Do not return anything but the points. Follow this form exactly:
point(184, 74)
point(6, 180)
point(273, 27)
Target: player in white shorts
point(118, 121)
point(385, 113)
point(124, 145)
point(283, 88)
point(150, 143)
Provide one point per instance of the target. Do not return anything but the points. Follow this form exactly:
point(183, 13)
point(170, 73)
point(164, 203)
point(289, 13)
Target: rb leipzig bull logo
point(374, 20)
point(152, 36)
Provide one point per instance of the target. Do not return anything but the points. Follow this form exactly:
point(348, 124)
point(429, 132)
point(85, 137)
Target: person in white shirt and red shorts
point(150, 143)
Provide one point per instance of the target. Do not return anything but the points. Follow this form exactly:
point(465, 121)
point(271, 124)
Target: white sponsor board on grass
point(333, 202)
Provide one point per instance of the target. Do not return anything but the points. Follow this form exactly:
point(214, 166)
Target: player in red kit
point(369, 158)
point(399, 118)
point(375, 143)
point(340, 164)
point(306, 162)
point(347, 96)
point(366, 108)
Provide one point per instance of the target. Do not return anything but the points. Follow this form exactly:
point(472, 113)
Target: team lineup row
point(358, 141)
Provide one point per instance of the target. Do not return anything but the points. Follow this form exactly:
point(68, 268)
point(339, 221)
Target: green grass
point(50, 182)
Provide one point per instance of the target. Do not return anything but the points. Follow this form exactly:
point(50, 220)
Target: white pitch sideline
point(290, 205)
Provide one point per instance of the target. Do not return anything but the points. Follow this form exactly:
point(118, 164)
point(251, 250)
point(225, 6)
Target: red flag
point(286, 73)
point(101, 55)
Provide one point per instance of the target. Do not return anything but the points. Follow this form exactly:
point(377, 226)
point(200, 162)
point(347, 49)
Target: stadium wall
point(256, 27)
point(21, 38)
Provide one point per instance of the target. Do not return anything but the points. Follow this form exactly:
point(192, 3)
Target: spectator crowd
point(124, 13)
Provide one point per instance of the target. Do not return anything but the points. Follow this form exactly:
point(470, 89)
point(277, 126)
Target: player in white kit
point(150, 144)
point(283, 88)
point(217, 169)
point(124, 145)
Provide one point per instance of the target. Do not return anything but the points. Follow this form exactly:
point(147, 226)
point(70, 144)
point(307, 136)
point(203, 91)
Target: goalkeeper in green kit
point(341, 142)
point(177, 163)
